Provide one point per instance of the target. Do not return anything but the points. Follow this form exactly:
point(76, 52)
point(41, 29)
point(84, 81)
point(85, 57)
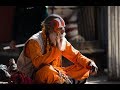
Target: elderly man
point(45, 50)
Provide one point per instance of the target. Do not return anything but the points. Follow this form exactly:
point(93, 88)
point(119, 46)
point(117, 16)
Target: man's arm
point(34, 52)
point(74, 55)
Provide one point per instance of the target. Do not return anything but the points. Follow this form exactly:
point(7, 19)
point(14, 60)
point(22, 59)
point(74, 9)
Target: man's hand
point(93, 68)
point(58, 41)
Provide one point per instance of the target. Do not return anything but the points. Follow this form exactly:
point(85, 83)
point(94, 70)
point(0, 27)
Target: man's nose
point(62, 31)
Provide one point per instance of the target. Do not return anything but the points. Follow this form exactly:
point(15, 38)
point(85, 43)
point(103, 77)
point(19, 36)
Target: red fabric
point(20, 78)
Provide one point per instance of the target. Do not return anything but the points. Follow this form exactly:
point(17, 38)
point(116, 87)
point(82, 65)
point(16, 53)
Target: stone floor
point(101, 79)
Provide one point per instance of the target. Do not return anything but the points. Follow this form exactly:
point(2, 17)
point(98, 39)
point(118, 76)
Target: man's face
point(57, 35)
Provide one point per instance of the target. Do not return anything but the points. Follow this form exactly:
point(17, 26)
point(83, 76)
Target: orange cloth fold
point(47, 74)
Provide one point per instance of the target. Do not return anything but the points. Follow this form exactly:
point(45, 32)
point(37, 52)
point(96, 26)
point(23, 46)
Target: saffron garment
point(47, 74)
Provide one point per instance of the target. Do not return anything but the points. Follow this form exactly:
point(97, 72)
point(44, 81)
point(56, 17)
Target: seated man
point(45, 49)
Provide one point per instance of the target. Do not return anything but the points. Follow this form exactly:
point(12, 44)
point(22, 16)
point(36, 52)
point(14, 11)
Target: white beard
point(62, 44)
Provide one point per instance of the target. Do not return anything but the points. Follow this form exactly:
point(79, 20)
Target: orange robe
point(47, 74)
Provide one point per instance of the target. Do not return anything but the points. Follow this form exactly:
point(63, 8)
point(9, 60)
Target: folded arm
point(34, 52)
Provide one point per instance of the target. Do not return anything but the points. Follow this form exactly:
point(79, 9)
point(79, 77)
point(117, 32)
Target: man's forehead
point(58, 23)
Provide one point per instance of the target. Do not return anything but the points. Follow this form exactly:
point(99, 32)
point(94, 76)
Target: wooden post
point(113, 42)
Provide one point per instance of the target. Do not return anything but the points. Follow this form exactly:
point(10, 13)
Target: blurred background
point(93, 30)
